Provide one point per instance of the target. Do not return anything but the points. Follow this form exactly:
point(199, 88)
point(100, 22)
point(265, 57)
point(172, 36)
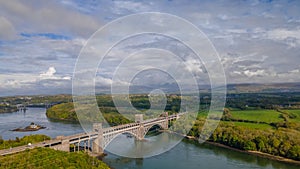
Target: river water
point(187, 154)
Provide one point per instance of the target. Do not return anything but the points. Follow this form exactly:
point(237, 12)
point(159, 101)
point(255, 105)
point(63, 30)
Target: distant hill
point(263, 88)
point(231, 88)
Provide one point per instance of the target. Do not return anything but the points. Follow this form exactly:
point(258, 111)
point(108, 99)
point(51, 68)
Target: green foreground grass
point(5, 144)
point(48, 158)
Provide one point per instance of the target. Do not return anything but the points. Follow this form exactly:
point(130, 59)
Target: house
point(33, 126)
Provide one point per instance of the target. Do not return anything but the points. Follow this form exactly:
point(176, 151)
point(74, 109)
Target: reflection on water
point(130, 147)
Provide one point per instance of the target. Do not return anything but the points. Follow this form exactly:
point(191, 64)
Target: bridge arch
point(109, 138)
point(147, 128)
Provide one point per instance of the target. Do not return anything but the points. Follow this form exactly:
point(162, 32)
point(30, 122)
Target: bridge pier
point(166, 124)
point(78, 146)
point(97, 146)
point(64, 146)
point(141, 132)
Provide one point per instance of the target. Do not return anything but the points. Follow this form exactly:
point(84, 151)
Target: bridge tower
point(141, 130)
point(166, 123)
point(98, 142)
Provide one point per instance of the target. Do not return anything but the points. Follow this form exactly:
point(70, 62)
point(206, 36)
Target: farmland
point(266, 116)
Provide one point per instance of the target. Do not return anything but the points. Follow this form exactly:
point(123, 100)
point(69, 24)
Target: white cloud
point(19, 80)
point(103, 81)
point(281, 34)
point(193, 65)
point(124, 6)
point(50, 74)
point(14, 81)
point(295, 71)
point(28, 84)
point(250, 73)
point(289, 36)
point(237, 31)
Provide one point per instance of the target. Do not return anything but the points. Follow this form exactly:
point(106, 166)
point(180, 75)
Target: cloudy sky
point(257, 41)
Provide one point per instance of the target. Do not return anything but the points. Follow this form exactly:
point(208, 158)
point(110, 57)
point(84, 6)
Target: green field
point(251, 125)
point(267, 116)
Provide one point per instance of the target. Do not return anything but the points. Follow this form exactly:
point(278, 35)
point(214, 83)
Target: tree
point(284, 148)
point(17, 139)
point(226, 114)
point(294, 152)
point(249, 145)
point(260, 143)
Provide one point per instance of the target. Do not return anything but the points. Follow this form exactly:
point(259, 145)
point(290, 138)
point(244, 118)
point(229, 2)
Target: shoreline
point(62, 120)
point(255, 153)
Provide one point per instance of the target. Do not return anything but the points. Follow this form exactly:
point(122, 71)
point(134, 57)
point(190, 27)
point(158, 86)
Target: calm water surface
point(10, 121)
point(192, 155)
point(186, 155)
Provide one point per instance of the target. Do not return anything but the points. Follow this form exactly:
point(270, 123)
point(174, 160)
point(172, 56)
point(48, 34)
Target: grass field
point(267, 116)
point(250, 125)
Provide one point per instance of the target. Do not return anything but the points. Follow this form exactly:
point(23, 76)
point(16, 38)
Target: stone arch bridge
point(100, 137)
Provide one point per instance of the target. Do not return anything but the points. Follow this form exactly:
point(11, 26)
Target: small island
point(31, 127)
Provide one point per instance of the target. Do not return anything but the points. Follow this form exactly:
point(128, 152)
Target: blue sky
point(257, 41)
